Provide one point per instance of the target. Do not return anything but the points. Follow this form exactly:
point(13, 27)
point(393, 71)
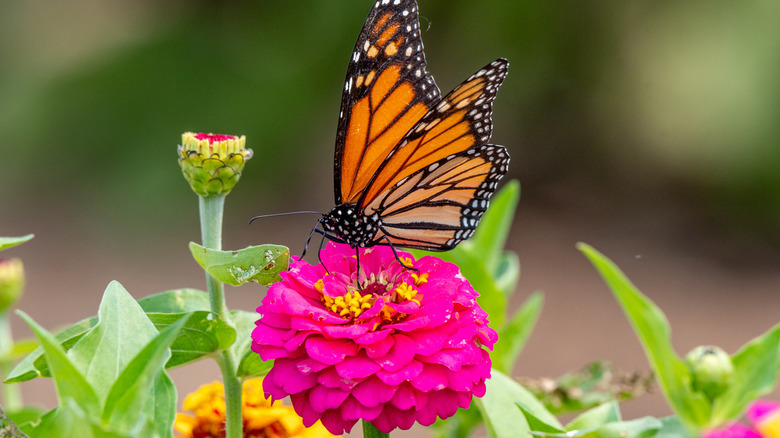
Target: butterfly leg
point(357, 270)
point(396, 255)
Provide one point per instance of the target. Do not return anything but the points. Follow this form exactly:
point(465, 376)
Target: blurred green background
point(630, 98)
point(630, 118)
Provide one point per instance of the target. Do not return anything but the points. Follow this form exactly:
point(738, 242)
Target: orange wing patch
point(386, 93)
point(377, 124)
point(446, 130)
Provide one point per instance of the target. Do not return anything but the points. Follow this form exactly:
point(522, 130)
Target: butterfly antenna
point(284, 214)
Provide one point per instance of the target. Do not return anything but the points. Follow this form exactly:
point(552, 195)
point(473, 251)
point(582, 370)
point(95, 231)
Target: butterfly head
point(348, 224)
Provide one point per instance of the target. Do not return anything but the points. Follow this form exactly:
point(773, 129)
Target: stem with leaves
point(211, 211)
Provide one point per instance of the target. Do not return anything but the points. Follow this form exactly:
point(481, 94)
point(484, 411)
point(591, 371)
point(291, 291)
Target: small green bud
point(711, 370)
point(212, 163)
point(11, 282)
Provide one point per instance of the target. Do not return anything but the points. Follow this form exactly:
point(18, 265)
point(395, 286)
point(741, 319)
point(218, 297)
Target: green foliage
point(516, 332)
point(603, 421)
point(250, 364)
point(755, 374)
point(499, 407)
point(201, 336)
point(177, 301)
point(8, 242)
point(261, 263)
point(755, 365)
point(110, 382)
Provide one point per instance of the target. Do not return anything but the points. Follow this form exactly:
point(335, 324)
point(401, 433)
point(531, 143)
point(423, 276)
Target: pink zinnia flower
point(764, 415)
point(406, 347)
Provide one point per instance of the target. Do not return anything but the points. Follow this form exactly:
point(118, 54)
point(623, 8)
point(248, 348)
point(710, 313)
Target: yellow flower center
point(420, 278)
point(354, 303)
point(350, 305)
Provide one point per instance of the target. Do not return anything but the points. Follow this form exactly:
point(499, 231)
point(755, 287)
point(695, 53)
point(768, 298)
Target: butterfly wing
point(458, 122)
point(386, 93)
point(439, 206)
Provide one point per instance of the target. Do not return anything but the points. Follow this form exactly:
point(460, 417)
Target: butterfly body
point(412, 168)
point(347, 224)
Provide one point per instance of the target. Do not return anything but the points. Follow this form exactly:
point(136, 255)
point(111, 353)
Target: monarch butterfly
point(412, 168)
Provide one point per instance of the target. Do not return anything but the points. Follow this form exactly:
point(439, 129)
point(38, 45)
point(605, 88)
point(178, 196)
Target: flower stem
point(370, 431)
point(12, 398)
point(211, 209)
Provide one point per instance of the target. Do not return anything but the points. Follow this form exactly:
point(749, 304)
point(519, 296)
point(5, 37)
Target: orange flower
point(262, 419)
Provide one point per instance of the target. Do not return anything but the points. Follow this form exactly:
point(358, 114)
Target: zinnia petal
point(388, 344)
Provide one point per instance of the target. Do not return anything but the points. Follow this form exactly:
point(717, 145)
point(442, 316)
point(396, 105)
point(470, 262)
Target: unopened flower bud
point(711, 370)
point(212, 163)
point(11, 282)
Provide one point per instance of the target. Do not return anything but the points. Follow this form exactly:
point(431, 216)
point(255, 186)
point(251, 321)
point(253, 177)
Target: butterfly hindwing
point(387, 91)
point(439, 206)
point(459, 121)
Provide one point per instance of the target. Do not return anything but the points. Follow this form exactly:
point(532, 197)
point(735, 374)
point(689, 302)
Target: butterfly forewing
point(459, 121)
point(386, 93)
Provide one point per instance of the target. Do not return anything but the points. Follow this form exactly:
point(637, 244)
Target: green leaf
point(203, 334)
point(172, 301)
point(34, 365)
point(489, 239)
point(176, 301)
point(596, 417)
point(69, 421)
point(60, 422)
point(261, 263)
point(499, 407)
point(513, 336)
point(127, 402)
point(644, 427)
point(672, 427)
point(8, 242)
point(69, 381)
point(651, 326)
point(122, 331)
point(539, 427)
point(162, 405)
point(252, 366)
point(755, 374)
point(508, 273)
point(26, 414)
